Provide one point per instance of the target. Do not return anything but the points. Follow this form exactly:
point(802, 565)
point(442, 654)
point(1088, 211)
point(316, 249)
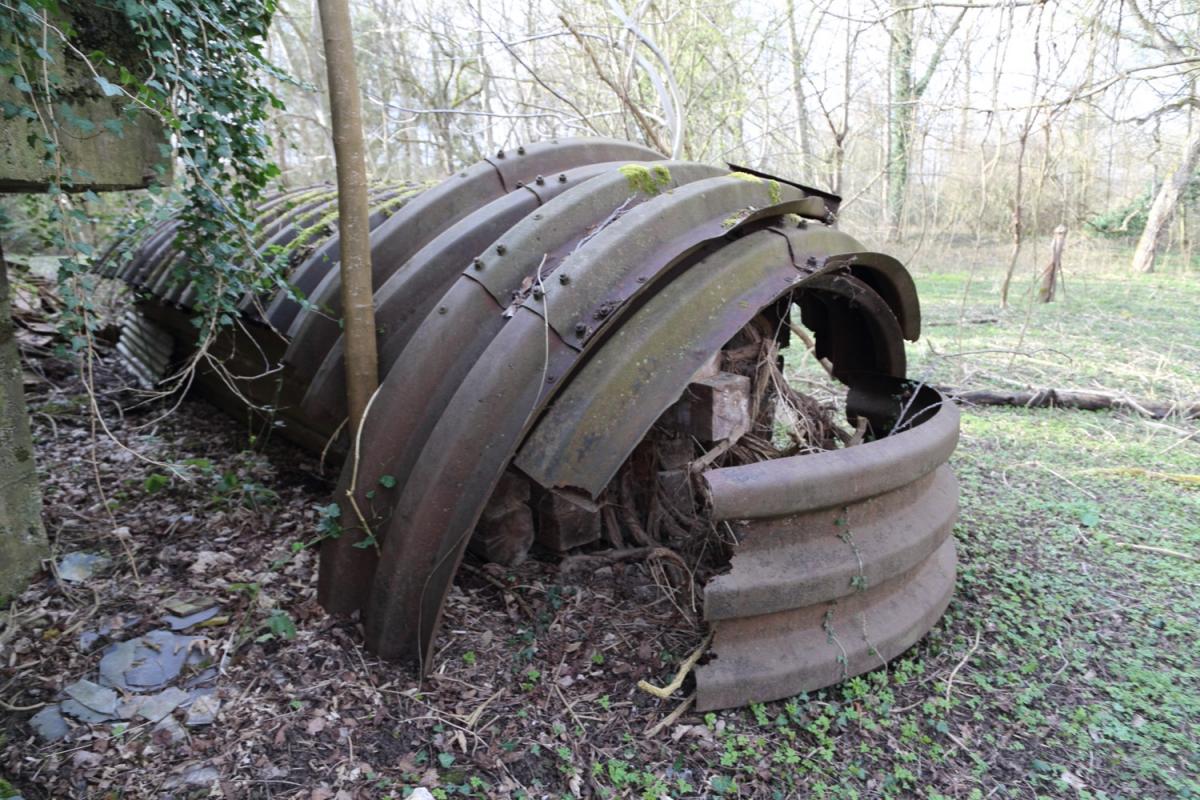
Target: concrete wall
point(95, 156)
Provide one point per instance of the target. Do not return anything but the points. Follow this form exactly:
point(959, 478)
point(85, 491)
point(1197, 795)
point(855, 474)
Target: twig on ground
point(670, 719)
point(1159, 550)
point(966, 657)
point(666, 691)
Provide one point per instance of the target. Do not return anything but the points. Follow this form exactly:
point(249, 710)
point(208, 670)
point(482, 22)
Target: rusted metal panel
point(605, 411)
point(821, 480)
point(771, 657)
point(417, 391)
point(844, 558)
point(412, 293)
point(818, 555)
point(403, 236)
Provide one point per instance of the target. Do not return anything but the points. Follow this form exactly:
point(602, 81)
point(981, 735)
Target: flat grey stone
point(170, 729)
point(153, 707)
point(78, 567)
point(148, 662)
point(94, 696)
point(185, 622)
point(197, 776)
point(49, 724)
point(203, 709)
point(82, 713)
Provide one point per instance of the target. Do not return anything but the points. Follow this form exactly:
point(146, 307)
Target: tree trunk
point(900, 120)
point(798, 68)
point(22, 539)
point(1052, 270)
point(1165, 203)
point(362, 368)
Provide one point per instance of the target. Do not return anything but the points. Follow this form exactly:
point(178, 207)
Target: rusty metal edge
point(823, 480)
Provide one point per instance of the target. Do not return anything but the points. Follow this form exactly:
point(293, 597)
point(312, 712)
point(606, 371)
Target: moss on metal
point(647, 180)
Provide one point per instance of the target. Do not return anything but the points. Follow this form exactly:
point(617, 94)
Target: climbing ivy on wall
point(201, 73)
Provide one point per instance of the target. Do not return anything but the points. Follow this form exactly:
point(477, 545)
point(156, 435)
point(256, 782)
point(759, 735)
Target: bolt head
point(501, 249)
point(562, 178)
point(564, 278)
point(499, 154)
point(539, 180)
point(580, 329)
point(477, 263)
point(521, 150)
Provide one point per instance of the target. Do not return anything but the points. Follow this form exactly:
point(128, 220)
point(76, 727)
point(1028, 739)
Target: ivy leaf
point(387, 481)
point(22, 84)
point(109, 88)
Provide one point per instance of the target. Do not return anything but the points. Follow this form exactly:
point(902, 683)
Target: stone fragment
point(204, 708)
point(563, 525)
point(78, 567)
point(153, 707)
point(98, 698)
point(148, 662)
point(49, 724)
point(84, 714)
point(183, 623)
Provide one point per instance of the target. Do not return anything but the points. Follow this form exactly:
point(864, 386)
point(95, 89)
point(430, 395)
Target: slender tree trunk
point(1158, 222)
point(22, 539)
point(798, 69)
point(900, 120)
point(358, 309)
point(1052, 270)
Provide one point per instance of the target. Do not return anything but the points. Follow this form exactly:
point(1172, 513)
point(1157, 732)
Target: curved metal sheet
point(596, 421)
point(891, 281)
point(807, 558)
point(422, 379)
point(774, 656)
point(853, 326)
point(412, 293)
point(398, 240)
point(822, 480)
point(478, 433)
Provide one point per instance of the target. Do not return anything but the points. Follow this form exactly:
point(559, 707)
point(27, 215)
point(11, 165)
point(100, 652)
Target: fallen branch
point(1138, 472)
point(1162, 551)
point(671, 718)
point(1071, 398)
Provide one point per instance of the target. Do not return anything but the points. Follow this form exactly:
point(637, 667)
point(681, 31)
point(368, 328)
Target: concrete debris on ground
point(79, 567)
point(136, 680)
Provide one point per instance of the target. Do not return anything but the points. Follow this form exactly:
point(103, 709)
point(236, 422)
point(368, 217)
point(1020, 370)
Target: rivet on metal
point(811, 261)
point(478, 263)
point(537, 216)
point(641, 279)
point(521, 150)
point(499, 154)
point(501, 249)
point(580, 329)
point(550, 379)
point(441, 309)
point(564, 279)
point(539, 180)
point(520, 184)
point(562, 178)
point(537, 292)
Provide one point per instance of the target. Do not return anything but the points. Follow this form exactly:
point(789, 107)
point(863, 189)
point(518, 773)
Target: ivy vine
point(203, 77)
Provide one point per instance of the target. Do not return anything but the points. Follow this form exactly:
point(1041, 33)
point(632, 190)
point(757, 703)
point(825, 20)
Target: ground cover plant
point(1066, 665)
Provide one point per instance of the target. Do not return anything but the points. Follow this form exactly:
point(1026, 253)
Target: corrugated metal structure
point(543, 316)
